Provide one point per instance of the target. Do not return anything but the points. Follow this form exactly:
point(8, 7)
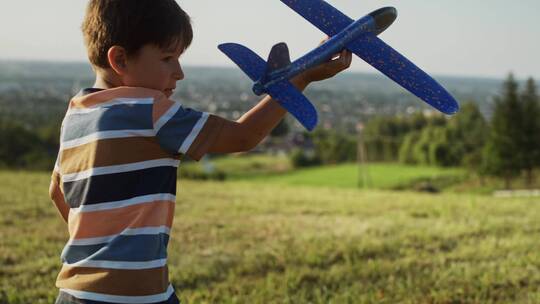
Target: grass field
point(244, 242)
point(377, 176)
point(278, 170)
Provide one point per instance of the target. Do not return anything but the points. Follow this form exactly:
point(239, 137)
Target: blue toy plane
point(359, 37)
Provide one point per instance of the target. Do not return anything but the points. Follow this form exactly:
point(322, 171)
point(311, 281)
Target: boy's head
point(140, 40)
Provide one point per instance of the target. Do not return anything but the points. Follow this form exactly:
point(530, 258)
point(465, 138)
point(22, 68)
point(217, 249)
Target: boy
point(114, 182)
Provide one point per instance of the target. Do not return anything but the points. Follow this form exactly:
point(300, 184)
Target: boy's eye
point(168, 58)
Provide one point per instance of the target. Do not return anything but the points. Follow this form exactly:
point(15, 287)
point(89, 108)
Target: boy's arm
point(57, 196)
point(245, 133)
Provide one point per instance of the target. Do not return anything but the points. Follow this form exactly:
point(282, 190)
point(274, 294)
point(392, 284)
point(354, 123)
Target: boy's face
point(155, 68)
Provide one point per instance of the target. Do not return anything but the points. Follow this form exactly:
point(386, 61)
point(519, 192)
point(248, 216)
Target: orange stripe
point(109, 222)
point(57, 179)
point(161, 106)
point(110, 152)
point(122, 282)
point(110, 94)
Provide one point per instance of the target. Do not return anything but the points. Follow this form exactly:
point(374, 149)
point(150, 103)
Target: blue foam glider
point(359, 37)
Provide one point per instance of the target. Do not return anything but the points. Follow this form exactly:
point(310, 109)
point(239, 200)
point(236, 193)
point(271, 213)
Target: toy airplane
point(359, 37)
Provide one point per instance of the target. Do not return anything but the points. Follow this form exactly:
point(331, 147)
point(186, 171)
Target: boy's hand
point(329, 69)
point(245, 133)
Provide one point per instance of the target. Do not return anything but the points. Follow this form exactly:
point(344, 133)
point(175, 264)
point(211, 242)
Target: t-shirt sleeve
point(56, 176)
point(185, 131)
point(55, 189)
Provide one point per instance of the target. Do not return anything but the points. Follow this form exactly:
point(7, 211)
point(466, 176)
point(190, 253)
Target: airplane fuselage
point(374, 23)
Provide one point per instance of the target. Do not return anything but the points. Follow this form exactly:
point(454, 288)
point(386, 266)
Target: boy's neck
point(106, 79)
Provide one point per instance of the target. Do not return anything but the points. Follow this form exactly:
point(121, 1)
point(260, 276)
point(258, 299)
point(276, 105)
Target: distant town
point(42, 89)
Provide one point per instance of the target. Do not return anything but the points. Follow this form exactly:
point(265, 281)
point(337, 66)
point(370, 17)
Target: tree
point(530, 135)
point(382, 138)
point(468, 132)
point(501, 154)
point(385, 135)
point(406, 150)
point(434, 147)
point(332, 147)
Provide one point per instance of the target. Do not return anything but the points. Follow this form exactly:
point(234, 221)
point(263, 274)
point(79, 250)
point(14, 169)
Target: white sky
point(463, 38)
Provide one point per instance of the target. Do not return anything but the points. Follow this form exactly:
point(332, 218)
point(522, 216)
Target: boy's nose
point(178, 72)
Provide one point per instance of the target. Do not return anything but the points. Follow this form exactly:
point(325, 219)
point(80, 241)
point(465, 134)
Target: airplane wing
point(295, 102)
point(321, 14)
point(398, 68)
point(377, 53)
point(250, 63)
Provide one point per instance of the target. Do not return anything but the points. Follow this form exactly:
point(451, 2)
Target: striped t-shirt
point(119, 153)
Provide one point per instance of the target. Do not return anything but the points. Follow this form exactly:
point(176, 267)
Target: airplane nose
point(384, 17)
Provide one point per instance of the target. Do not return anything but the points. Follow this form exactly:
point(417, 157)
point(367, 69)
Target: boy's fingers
point(343, 61)
point(324, 40)
point(348, 57)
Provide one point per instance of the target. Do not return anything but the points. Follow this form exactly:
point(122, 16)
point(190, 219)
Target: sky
point(451, 38)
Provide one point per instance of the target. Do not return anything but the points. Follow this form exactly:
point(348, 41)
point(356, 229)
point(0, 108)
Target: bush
point(301, 158)
point(21, 147)
point(194, 174)
point(332, 147)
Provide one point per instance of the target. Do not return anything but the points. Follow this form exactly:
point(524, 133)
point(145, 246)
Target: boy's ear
point(117, 57)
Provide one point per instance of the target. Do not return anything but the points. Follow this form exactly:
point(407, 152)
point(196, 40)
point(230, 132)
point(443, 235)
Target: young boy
point(114, 182)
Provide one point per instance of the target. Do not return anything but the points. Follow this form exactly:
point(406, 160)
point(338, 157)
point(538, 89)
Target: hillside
point(238, 242)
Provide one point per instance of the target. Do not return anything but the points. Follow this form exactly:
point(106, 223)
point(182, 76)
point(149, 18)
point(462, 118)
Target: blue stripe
point(65, 298)
point(112, 118)
point(125, 248)
point(120, 186)
point(177, 129)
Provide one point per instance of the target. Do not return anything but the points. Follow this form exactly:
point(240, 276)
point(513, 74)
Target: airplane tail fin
point(278, 59)
point(283, 91)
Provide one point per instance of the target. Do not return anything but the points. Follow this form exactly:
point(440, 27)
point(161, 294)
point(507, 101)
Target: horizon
point(376, 73)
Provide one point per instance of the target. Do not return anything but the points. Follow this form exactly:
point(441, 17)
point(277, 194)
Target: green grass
point(244, 242)
point(377, 175)
point(278, 170)
point(242, 166)
point(393, 176)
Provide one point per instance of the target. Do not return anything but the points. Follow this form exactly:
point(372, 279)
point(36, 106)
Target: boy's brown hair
point(132, 24)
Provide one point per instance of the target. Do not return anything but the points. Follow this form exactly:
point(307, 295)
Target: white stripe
point(132, 100)
point(124, 203)
point(94, 296)
point(106, 135)
point(119, 265)
point(113, 102)
point(126, 232)
point(168, 115)
point(75, 111)
point(196, 129)
point(120, 168)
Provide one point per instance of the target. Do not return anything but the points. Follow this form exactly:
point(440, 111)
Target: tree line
point(507, 145)
point(513, 145)
point(27, 148)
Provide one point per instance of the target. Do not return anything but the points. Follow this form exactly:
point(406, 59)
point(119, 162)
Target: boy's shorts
point(65, 298)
